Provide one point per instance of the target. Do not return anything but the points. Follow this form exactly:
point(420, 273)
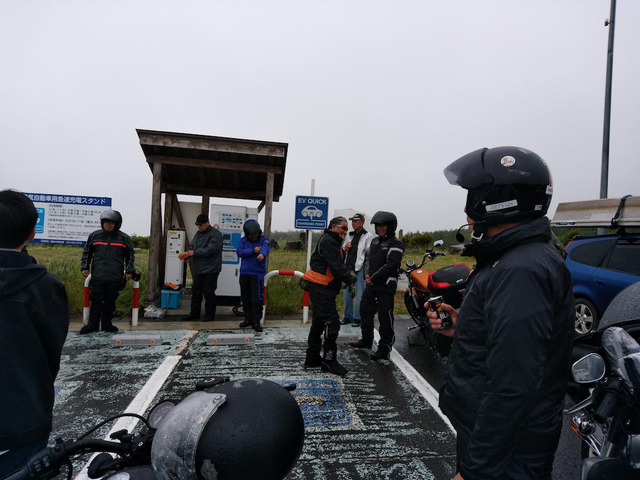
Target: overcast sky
point(374, 98)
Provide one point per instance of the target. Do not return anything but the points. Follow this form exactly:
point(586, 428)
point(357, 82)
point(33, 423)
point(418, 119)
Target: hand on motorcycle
point(436, 322)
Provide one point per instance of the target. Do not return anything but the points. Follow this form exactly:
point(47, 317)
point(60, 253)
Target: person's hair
point(336, 221)
point(18, 216)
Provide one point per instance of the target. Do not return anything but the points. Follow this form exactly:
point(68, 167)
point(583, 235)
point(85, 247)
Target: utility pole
point(604, 175)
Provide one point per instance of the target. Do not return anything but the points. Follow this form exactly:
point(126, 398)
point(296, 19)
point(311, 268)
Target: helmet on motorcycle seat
point(251, 227)
point(504, 184)
point(386, 218)
point(111, 216)
point(245, 429)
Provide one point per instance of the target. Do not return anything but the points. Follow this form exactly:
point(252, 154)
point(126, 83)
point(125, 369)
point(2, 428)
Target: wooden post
point(268, 201)
point(156, 233)
point(268, 204)
point(166, 226)
point(205, 204)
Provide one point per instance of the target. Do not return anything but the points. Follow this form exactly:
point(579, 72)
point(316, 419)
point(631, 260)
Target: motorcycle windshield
point(624, 308)
point(623, 354)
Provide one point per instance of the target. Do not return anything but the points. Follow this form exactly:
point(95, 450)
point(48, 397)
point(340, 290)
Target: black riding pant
point(325, 320)
point(251, 293)
point(204, 284)
point(103, 296)
point(378, 301)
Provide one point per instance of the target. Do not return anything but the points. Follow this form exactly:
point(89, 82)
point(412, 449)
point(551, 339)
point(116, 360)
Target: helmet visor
point(468, 171)
point(173, 452)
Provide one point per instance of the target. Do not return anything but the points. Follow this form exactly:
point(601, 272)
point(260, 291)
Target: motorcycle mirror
point(410, 263)
point(456, 249)
point(157, 413)
point(438, 243)
point(588, 369)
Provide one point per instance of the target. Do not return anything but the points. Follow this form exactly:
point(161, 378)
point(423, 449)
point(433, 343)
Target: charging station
point(229, 219)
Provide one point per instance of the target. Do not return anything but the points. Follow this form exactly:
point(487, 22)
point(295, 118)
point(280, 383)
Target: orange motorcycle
point(446, 284)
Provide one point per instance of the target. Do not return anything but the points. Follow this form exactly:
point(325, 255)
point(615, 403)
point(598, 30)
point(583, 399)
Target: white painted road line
point(426, 390)
point(140, 403)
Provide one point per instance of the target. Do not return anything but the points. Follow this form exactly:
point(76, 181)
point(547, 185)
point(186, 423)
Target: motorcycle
point(608, 420)
point(447, 282)
point(243, 429)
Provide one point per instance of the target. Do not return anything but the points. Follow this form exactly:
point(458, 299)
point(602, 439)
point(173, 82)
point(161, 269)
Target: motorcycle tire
point(418, 315)
point(440, 344)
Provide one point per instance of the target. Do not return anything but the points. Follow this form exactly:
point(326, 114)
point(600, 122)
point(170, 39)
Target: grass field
point(284, 293)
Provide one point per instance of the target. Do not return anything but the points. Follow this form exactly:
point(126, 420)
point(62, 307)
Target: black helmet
point(505, 184)
point(388, 219)
point(244, 429)
point(111, 216)
point(251, 227)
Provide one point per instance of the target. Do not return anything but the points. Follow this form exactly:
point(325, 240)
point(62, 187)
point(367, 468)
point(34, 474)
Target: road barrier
point(273, 273)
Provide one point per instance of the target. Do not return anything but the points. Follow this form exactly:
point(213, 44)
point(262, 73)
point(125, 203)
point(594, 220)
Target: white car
point(311, 212)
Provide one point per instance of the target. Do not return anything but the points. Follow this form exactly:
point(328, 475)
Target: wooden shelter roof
point(215, 166)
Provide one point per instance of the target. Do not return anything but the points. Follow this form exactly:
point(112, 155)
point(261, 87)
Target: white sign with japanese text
point(67, 219)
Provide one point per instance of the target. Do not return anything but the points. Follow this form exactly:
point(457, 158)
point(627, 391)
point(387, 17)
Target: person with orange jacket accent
point(326, 274)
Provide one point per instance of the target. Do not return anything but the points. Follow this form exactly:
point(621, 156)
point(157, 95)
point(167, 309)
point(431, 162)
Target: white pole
point(310, 232)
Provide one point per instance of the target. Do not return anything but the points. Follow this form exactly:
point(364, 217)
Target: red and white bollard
point(305, 302)
point(136, 303)
point(86, 306)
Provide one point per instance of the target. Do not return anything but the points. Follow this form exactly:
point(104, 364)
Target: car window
point(625, 257)
point(592, 253)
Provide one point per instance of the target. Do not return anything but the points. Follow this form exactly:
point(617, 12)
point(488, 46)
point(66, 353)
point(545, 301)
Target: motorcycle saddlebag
point(607, 468)
point(449, 282)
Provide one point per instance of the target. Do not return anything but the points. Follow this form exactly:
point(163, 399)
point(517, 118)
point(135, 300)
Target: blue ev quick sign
point(67, 219)
point(312, 213)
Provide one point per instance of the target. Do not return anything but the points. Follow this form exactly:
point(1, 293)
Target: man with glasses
point(326, 273)
point(206, 252)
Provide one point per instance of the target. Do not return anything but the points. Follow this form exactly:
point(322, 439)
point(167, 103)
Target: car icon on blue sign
point(311, 212)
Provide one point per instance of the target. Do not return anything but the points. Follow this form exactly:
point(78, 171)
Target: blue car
point(601, 266)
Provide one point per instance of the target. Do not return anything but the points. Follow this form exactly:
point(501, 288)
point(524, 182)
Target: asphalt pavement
point(379, 421)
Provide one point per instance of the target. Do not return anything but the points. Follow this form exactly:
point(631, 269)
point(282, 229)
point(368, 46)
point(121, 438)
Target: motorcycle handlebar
point(606, 407)
point(47, 462)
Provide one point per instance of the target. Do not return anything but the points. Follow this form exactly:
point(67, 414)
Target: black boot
point(92, 327)
point(381, 354)
point(107, 326)
point(361, 344)
point(312, 360)
point(330, 364)
point(245, 324)
point(257, 327)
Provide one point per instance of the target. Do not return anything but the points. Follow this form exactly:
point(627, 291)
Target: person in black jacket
point(108, 255)
point(381, 268)
point(326, 273)
point(511, 355)
point(34, 321)
point(206, 251)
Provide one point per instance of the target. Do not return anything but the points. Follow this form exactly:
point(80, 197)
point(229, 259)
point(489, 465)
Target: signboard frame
point(311, 213)
point(67, 219)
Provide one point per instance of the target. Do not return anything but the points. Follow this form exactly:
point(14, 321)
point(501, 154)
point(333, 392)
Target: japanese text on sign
point(67, 219)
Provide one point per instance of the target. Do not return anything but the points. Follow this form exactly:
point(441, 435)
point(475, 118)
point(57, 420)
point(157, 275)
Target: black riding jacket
point(382, 262)
point(511, 355)
point(107, 255)
point(327, 258)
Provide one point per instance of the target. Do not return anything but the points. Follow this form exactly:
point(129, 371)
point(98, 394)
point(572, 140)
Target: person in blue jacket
point(253, 249)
